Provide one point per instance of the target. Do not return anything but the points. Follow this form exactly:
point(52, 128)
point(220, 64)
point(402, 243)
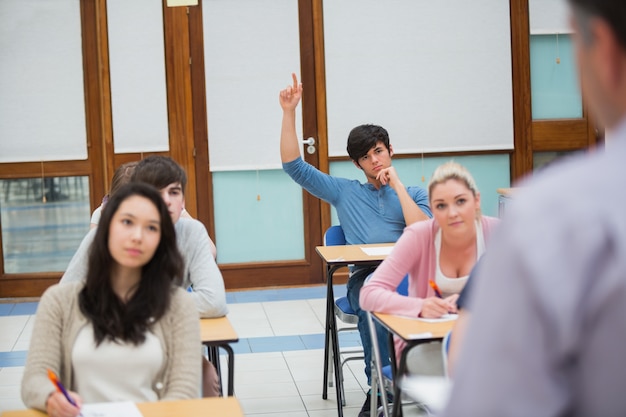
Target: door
point(243, 46)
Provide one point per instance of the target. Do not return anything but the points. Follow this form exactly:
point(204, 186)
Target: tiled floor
point(278, 360)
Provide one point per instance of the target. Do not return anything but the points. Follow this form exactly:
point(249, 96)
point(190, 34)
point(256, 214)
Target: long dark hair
point(110, 317)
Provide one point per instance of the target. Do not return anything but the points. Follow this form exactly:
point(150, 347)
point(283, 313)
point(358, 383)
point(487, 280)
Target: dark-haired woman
point(128, 332)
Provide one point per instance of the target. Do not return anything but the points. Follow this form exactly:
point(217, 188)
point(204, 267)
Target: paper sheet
point(114, 409)
point(377, 250)
point(445, 317)
point(430, 390)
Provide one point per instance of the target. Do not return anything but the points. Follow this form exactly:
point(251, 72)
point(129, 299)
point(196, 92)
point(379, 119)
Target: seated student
point(443, 249)
point(375, 211)
point(128, 331)
point(201, 273)
point(122, 176)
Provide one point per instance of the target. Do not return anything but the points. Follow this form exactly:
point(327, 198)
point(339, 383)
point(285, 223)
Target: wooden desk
point(218, 333)
point(337, 257)
point(408, 329)
point(220, 406)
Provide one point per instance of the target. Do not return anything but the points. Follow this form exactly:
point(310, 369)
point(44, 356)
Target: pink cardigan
point(414, 253)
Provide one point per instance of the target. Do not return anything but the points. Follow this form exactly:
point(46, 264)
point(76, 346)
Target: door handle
point(311, 145)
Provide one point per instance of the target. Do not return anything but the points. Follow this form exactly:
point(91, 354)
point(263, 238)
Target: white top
point(95, 216)
point(449, 286)
point(115, 371)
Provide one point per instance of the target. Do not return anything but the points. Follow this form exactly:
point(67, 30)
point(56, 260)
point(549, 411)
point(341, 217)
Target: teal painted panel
point(271, 228)
point(248, 229)
point(490, 172)
point(555, 89)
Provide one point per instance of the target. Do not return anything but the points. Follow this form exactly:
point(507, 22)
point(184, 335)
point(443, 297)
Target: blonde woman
point(443, 249)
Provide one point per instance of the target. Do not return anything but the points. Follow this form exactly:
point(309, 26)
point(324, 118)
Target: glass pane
point(43, 222)
point(555, 90)
point(543, 159)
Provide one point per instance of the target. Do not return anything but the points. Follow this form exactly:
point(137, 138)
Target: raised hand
point(290, 96)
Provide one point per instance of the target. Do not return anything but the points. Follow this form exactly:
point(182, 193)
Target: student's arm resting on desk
point(47, 348)
point(379, 293)
point(202, 272)
point(184, 363)
point(77, 268)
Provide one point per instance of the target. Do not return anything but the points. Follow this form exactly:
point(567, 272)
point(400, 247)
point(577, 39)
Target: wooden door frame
point(538, 135)
point(258, 274)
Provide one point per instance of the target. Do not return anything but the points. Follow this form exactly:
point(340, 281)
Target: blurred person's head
point(121, 176)
point(600, 44)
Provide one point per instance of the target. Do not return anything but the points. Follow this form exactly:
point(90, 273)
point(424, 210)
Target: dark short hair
point(611, 11)
point(111, 318)
point(159, 171)
point(363, 138)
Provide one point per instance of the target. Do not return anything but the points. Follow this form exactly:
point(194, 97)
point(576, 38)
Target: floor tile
point(278, 359)
point(5, 308)
point(24, 309)
point(267, 405)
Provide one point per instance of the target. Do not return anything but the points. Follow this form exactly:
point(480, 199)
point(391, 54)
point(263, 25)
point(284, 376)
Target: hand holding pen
point(62, 403)
point(435, 307)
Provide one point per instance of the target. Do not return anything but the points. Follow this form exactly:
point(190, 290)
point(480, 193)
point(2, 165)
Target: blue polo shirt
point(366, 215)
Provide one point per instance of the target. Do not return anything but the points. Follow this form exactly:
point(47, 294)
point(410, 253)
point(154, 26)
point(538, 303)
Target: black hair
point(611, 11)
point(111, 318)
point(363, 138)
point(159, 171)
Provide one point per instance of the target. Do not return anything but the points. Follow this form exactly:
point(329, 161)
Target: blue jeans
point(355, 282)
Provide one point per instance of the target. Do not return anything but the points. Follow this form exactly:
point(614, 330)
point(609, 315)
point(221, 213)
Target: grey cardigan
point(58, 321)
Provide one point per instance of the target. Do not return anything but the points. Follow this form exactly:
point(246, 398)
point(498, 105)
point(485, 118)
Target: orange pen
point(55, 380)
point(434, 286)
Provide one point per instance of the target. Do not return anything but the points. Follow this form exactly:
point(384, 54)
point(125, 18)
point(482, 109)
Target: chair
point(386, 372)
point(334, 236)
point(445, 348)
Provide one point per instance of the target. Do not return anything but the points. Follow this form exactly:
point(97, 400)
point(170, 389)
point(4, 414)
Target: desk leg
point(397, 396)
point(329, 312)
point(214, 357)
point(330, 341)
point(231, 369)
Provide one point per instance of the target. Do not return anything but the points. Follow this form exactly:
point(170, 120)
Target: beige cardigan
point(58, 321)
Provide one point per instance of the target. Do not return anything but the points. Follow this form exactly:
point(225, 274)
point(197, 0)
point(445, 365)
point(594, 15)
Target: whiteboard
point(436, 74)
point(251, 47)
point(137, 67)
point(548, 17)
point(42, 104)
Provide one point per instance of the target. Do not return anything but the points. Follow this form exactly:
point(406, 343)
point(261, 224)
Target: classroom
point(88, 85)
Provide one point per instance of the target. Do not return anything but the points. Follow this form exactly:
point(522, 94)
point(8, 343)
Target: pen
point(55, 380)
point(434, 286)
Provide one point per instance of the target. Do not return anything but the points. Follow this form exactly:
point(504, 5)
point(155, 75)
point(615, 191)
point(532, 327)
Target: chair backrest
point(403, 287)
point(334, 236)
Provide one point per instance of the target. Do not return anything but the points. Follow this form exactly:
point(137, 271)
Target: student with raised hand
point(443, 249)
point(372, 212)
point(128, 331)
point(201, 273)
point(547, 330)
